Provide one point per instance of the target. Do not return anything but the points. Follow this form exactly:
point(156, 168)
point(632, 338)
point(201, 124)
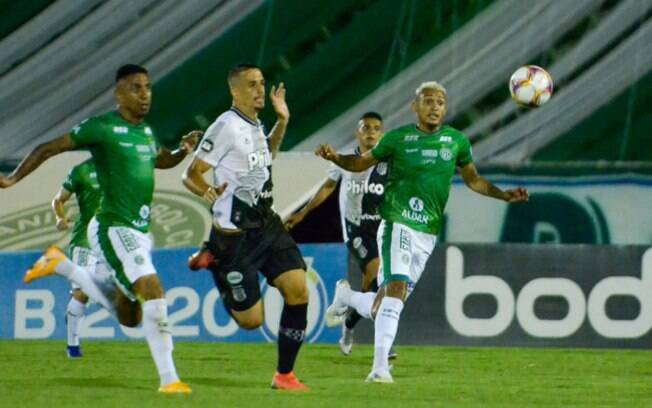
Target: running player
point(360, 195)
point(125, 154)
point(82, 182)
point(422, 162)
point(247, 235)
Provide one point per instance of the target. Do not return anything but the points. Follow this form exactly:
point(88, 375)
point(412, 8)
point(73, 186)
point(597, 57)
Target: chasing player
point(247, 235)
point(125, 154)
point(422, 160)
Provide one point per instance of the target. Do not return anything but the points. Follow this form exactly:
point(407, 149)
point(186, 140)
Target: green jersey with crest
point(421, 168)
point(125, 158)
point(82, 181)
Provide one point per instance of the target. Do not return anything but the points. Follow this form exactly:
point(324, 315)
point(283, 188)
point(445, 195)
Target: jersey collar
point(244, 117)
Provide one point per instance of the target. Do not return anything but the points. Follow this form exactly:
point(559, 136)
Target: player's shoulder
point(225, 122)
point(399, 133)
point(450, 131)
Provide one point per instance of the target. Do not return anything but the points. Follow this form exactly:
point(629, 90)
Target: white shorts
point(83, 257)
point(127, 253)
point(403, 253)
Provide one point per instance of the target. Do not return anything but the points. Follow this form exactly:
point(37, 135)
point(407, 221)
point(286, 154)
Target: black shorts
point(364, 248)
point(268, 249)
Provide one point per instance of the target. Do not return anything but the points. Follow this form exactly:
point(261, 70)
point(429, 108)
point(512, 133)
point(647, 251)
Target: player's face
point(249, 90)
point(430, 108)
point(134, 94)
point(368, 132)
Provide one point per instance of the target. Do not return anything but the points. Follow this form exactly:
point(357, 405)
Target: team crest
point(445, 153)
point(381, 168)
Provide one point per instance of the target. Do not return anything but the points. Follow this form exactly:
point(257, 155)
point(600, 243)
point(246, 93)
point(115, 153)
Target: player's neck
point(426, 128)
point(127, 116)
point(250, 113)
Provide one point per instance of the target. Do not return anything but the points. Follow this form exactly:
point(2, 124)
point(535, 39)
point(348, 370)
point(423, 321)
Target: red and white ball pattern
point(531, 85)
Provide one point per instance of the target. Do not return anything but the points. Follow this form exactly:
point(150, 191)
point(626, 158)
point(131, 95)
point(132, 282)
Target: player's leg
point(78, 302)
point(128, 253)
point(285, 269)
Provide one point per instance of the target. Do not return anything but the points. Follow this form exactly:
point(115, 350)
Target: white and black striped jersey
point(238, 150)
point(361, 194)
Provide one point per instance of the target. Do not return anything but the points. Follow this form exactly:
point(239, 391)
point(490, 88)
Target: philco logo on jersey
point(364, 188)
point(259, 159)
point(414, 214)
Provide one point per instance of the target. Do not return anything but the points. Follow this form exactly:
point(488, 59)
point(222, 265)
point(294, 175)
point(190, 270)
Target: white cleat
point(336, 312)
point(379, 378)
point(346, 341)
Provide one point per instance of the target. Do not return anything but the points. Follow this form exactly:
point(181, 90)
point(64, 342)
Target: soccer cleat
point(336, 312)
point(393, 355)
point(73, 351)
point(346, 341)
point(45, 265)
point(177, 387)
point(287, 382)
point(379, 378)
point(200, 259)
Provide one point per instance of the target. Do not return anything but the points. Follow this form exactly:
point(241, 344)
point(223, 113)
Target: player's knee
point(297, 294)
point(149, 287)
point(131, 315)
point(396, 289)
point(250, 322)
point(80, 296)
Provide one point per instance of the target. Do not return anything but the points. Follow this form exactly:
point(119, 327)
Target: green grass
point(36, 373)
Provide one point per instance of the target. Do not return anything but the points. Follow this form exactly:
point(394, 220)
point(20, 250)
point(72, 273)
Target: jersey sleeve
point(87, 133)
point(334, 173)
point(465, 153)
point(385, 147)
point(72, 180)
point(216, 143)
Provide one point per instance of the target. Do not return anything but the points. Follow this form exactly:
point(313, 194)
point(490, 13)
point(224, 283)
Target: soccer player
point(125, 154)
point(82, 182)
point(422, 159)
point(360, 196)
point(247, 235)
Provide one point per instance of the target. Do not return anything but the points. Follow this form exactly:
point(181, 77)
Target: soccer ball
point(530, 85)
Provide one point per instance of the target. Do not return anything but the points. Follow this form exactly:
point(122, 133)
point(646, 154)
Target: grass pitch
point(112, 374)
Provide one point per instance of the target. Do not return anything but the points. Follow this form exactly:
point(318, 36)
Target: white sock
point(362, 303)
point(74, 316)
point(385, 326)
point(159, 338)
point(84, 277)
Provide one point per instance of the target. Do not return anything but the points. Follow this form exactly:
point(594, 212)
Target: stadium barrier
point(470, 295)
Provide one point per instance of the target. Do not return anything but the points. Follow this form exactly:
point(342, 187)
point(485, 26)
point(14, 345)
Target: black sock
point(291, 332)
point(353, 317)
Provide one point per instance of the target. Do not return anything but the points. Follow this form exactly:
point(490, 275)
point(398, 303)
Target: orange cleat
point(177, 387)
point(288, 382)
point(200, 259)
point(45, 265)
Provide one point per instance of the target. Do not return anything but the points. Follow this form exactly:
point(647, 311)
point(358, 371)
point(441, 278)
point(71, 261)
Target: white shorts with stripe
point(403, 253)
point(127, 253)
point(82, 257)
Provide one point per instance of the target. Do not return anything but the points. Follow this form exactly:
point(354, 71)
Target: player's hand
point(190, 140)
point(277, 96)
point(63, 224)
point(6, 181)
point(213, 193)
point(326, 151)
point(293, 220)
point(517, 195)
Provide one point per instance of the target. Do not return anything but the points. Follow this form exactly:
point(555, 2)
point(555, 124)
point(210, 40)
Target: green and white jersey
point(125, 158)
point(421, 168)
point(82, 181)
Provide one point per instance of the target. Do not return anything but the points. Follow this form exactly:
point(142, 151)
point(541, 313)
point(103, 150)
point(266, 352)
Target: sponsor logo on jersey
point(207, 145)
point(446, 139)
point(148, 130)
point(445, 153)
point(370, 217)
point(411, 138)
point(259, 159)
point(416, 204)
point(125, 144)
point(121, 130)
point(143, 149)
point(234, 277)
point(429, 153)
point(265, 194)
point(364, 188)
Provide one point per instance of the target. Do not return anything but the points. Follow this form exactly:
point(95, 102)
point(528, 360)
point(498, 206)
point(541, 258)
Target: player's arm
point(277, 96)
point(350, 162)
point(481, 185)
point(320, 196)
point(36, 157)
point(167, 159)
point(59, 200)
point(193, 179)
